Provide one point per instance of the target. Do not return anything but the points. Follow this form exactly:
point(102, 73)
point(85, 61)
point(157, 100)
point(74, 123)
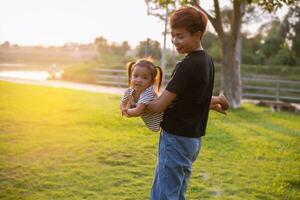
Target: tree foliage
point(229, 36)
point(149, 48)
point(280, 40)
point(5, 45)
point(291, 28)
point(104, 48)
point(272, 5)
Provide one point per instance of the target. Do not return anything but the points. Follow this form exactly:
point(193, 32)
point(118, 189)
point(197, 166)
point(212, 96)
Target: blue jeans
point(174, 166)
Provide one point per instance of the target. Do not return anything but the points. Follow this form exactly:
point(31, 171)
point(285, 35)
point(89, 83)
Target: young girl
point(143, 75)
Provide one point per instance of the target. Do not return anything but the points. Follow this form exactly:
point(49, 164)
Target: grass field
point(67, 144)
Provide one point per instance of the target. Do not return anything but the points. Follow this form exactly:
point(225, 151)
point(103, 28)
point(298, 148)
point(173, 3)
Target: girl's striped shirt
point(152, 120)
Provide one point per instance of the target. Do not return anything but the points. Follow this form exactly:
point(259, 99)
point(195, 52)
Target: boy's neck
point(199, 48)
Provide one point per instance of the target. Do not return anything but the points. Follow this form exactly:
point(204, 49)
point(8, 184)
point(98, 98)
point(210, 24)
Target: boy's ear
point(198, 35)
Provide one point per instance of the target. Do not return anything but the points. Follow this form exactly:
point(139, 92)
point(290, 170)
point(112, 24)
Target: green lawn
point(67, 144)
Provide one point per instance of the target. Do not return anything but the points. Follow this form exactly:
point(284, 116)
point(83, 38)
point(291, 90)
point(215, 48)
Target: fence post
point(119, 79)
point(277, 90)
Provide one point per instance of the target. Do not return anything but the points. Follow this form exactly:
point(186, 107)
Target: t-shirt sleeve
point(179, 80)
point(147, 96)
point(126, 96)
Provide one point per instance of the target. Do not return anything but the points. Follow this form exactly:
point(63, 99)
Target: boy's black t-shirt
point(192, 81)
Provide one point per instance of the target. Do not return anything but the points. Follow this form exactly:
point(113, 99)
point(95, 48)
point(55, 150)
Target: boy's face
point(184, 41)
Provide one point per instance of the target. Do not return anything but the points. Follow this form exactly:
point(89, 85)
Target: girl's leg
point(218, 108)
point(223, 101)
point(214, 100)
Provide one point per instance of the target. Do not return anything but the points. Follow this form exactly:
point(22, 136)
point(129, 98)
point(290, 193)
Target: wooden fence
point(273, 89)
point(253, 87)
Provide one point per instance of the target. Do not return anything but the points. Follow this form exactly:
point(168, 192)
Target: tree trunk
point(230, 71)
point(164, 50)
point(231, 54)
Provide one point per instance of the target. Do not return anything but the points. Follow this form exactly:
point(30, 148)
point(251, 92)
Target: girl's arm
point(124, 107)
point(137, 111)
point(162, 102)
point(125, 102)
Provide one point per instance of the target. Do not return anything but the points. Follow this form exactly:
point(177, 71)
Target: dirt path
point(69, 85)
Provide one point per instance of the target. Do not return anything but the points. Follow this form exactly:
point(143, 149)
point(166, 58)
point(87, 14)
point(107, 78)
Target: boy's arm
point(162, 102)
point(137, 111)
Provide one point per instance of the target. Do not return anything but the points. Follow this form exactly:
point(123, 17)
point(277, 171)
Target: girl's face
point(141, 78)
point(184, 41)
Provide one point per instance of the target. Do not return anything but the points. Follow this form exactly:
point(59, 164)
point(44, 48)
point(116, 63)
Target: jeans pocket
point(190, 147)
point(180, 147)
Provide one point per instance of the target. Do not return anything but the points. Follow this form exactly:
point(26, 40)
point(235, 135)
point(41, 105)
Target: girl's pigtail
point(160, 75)
point(129, 71)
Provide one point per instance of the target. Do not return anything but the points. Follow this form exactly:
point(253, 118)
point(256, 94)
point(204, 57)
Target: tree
point(101, 44)
point(283, 57)
point(160, 9)
point(291, 28)
point(252, 49)
point(5, 45)
point(280, 39)
point(230, 39)
point(149, 48)
point(124, 48)
point(274, 40)
point(210, 42)
point(106, 50)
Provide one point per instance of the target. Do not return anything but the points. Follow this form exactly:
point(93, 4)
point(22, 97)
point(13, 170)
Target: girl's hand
point(124, 112)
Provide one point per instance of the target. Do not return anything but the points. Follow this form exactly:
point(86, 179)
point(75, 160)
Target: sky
point(56, 22)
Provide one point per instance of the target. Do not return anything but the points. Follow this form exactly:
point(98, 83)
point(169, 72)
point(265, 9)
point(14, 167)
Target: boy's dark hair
point(190, 18)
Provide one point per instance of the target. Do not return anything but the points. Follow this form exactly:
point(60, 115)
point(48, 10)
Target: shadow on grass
point(295, 184)
point(264, 117)
point(245, 114)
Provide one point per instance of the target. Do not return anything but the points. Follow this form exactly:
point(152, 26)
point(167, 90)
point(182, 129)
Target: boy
point(185, 103)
